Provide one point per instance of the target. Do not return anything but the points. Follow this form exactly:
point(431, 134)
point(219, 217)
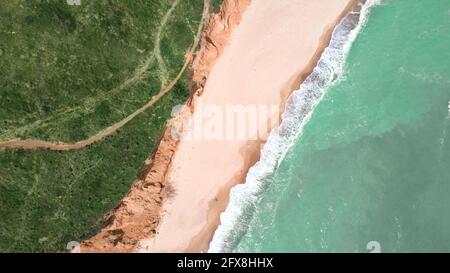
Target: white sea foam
point(299, 108)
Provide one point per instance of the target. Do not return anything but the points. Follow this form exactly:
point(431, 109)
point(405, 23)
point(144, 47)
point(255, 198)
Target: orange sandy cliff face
point(139, 213)
point(215, 37)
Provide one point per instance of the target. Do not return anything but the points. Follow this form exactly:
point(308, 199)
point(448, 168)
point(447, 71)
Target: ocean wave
point(298, 110)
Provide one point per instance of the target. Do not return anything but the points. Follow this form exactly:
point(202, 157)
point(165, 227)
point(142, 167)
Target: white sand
point(276, 41)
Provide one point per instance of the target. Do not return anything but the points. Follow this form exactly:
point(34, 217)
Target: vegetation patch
point(67, 72)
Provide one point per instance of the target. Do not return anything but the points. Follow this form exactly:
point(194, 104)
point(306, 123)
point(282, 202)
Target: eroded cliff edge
point(138, 214)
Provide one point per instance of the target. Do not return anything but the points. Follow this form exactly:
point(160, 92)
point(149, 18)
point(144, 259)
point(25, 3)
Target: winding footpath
point(64, 146)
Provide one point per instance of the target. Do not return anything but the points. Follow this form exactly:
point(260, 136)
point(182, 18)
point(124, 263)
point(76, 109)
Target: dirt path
point(89, 103)
point(63, 146)
point(157, 52)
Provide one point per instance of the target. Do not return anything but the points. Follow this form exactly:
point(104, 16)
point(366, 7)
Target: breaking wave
point(299, 108)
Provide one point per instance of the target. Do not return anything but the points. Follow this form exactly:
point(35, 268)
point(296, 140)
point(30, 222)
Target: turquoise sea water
point(373, 161)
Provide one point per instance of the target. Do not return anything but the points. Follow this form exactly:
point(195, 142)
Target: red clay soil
point(139, 213)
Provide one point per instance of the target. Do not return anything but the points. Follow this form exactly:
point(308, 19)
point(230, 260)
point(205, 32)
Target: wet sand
point(276, 44)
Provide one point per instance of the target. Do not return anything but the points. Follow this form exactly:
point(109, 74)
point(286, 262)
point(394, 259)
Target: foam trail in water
point(299, 107)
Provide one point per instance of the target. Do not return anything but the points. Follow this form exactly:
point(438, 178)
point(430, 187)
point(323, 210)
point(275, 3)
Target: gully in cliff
point(139, 213)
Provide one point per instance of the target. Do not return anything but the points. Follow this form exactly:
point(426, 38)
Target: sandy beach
point(276, 44)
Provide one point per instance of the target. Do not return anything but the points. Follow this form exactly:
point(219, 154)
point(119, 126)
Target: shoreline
point(201, 241)
point(197, 234)
point(138, 214)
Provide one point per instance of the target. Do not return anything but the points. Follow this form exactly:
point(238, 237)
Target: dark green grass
point(48, 198)
point(58, 62)
point(216, 5)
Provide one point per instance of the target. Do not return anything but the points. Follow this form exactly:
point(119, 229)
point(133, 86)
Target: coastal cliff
point(139, 213)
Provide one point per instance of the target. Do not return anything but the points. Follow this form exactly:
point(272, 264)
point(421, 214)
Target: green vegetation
point(86, 66)
point(67, 72)
point(216, 5)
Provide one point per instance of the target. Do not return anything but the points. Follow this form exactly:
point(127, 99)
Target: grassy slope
point(48, 198)
point(216, 5)
point(62, 65)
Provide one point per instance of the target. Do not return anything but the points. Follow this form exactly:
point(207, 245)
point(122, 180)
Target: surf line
point(298, 110)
